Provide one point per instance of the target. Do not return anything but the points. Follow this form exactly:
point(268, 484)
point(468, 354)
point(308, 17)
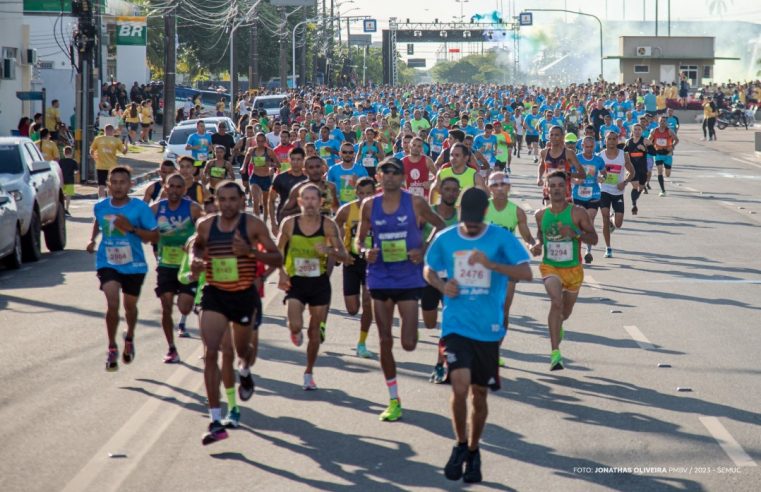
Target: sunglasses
point(394, 172)
point(347, 151)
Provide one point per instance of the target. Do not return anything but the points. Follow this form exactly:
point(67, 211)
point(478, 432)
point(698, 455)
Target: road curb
point(137, 180)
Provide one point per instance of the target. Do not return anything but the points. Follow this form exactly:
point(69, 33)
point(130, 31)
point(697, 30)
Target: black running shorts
point(482, 358)
point(237, 306)
point(131, 283)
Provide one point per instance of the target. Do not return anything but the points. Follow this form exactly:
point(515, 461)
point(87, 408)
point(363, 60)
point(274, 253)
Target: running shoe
point(216, 433)
point(129, 350)
point(232, 420)
point(297, 338)
point(67, 213)
point(246, 387)
point(172, 357)
point(182, 332)
point(509, 171)
point(662, 193)
point(536, 159)
point(439, 374)
point(472, 467)
point(453, 468)
point(502, 362)
point(309, 384)
point(588, 258)
point(556, 361)
point(363, 352)
point(112, 359)
point(645, 190)
point(612, 226)
point(608, 252)
point(322, 332)
point(393, 412)
point(635, 210)
point(647, 187)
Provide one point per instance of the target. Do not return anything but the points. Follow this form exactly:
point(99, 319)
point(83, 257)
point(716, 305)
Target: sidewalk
point(731, 141)
point(144, 161)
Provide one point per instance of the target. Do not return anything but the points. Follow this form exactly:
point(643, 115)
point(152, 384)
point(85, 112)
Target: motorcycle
point(735, 116)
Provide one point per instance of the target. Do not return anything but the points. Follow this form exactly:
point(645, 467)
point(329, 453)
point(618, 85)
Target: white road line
point(746, 162)
point(154, 411)
point(733, 449)
point(592, 282)
point(639, 337)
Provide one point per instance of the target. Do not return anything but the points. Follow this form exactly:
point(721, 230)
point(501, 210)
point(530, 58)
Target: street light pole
point(599, 22)
point(293, 45)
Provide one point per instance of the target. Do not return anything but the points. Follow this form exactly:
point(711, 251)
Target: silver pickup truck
point(36, 186)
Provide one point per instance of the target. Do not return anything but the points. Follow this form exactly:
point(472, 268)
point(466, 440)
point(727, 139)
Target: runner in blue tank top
point(395, 265)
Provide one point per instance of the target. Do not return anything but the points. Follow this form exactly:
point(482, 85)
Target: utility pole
point(283, 40)
point(253, 66)
point(84, 40)
point(170, 70)
point(303, 55)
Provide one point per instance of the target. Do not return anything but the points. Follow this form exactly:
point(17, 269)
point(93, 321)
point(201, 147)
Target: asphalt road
point(682, 290)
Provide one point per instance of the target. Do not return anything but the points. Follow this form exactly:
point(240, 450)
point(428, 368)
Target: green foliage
point(471, 69)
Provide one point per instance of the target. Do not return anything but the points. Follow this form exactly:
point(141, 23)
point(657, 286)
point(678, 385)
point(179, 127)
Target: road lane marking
point(746, 162)
point(592, 282)
point(728, 443)
point(153, 411)
point(639, 337)
point(703, 281)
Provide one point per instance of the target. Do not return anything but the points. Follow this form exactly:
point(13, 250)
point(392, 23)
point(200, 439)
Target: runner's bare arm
point(337, 249)
point(424, 211)
point(334, 194)
point(291, 206)
point(196, 212)
point(342, 214)
point(93, 236)
point(587, 232)
point(364, 224)
point(524, 229)
point(540, 169)
point(480, 183)
point(577, 170)
point(434, 188)
point(629, 168)
point(537, 248)
point(149, 193)
point(258, 233)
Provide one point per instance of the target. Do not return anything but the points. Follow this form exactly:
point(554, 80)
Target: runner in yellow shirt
point(103, 150)
point(146, 120)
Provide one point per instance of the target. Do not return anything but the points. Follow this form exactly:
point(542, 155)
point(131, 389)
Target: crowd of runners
point(405, 191)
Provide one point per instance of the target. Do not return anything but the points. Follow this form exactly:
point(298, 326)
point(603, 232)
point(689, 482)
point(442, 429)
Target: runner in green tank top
point(561, 227)
point(459, 169)
point(307, 240)
point(432, 297)
point(507, 214)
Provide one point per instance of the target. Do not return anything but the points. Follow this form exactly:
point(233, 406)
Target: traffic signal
point(410, 49)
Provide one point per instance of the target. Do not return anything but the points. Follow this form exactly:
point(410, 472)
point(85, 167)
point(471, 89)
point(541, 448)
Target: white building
point(51, 25)
point(15, 71)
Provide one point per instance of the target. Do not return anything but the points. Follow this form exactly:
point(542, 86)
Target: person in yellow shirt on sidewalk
point(146, 120)
point(53, 119)
point(103, 150)
point(48, 148)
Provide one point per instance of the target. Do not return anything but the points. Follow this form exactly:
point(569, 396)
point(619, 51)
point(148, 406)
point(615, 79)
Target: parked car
point(10, 231)
point(270, 104)
point(36, 186)
point(174, 146)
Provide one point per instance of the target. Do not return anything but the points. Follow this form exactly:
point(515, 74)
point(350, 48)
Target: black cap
point(473, 205)
point(391, 162)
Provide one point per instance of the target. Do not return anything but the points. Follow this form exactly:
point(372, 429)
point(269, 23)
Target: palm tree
point(718, 7)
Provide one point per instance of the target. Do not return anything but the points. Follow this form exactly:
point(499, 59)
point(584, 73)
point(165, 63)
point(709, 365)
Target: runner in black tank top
point(225, 247)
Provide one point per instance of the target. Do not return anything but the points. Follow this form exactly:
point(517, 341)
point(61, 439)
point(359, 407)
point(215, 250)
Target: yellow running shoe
point(393, 412)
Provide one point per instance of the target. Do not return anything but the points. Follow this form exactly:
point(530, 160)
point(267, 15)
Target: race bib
point(611, 179)
point(307, 267)
point(394, 250)
point(348, 194)
point(417, 190)
point(119, 255)
point(259, 161)
point(661, 142)
point(560, 250)
point(224, 269)
point(324, 151)
point(368, 162)
point(217, 172)
point(436, 148)
point(172, 255)
point(584, 191)
point(202, 156)
point(474, 276)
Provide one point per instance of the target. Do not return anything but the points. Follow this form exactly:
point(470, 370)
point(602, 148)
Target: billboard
point(131, 31)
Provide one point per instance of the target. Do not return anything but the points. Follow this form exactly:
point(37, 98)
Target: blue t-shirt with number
point(122, 251)
point(589, 189)
point(481, 291)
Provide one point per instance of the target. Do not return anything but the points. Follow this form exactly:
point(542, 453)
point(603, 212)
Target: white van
point(270, 104)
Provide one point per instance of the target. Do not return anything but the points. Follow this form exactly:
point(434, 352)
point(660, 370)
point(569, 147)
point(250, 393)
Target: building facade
point(15, 69)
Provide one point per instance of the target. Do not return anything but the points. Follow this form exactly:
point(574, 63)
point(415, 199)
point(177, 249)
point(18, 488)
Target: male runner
point(561, 227)
point(306, 241)
point(459, 169)
point(103, 149)
point(586, 193)
point(479, 260)
point(283, 184)
point(120, 262)
point(176, 217)
point(154, 190)
point(418, 168)
point(345, 174)
point(618, 173)
point(665, 140)
point(313, 166)
point(394, 271)
point(355, 270)
point(557, 157)
point(431, 297)
point(226, 249)
point(638, 148)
